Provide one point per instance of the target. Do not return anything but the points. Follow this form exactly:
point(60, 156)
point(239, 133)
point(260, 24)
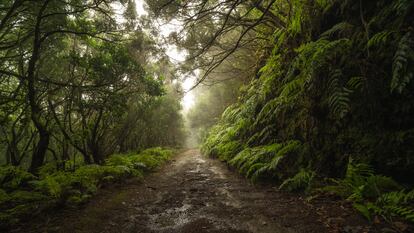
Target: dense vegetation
point(80, 80)
point(74, 81)
point(316, 96)
point(333, 98)
point(24, 195)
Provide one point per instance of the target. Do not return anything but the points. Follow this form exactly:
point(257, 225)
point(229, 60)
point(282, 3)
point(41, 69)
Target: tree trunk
point(13, 155)
point(8, 155)
point(86, 157)
point(40, 152)
point(44, 136)
point(96, 154)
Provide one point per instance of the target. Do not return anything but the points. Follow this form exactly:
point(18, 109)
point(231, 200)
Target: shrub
point(23, 194)
point(4, 197)
point(14, 177)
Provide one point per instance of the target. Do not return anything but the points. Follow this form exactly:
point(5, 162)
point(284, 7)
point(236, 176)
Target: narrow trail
point(197, 194)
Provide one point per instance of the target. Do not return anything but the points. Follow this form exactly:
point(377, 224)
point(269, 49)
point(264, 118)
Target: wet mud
point(195, 194)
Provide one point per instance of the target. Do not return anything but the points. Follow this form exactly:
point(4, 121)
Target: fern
point(364, 210)
point(396, 204)
point(339, 28)
point(254, 171)
point(278, 153)
point(325, 4)
point(339, 100)
point(240, 158)
point(246, 160)
point(13, 177)
point(269, 109)
point(356, 83)
point(296, 21)
point(49, 186)
point(259, 172)
point(361, 186)
point(257, 161)
point(4, 197)
point(300, 182)
point(401, 7)
point(292, 88)
point(264, 135)
point(402, 64)
point(380, 39)
point(352, 186)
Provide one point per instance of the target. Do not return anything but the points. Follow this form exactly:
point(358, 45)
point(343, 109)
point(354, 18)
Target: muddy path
point(197, 194)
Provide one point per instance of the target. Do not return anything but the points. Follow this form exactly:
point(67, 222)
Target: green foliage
point(360, 183)
point(161, 154)
point(374, 194)
point(150, 158)
point(402, 72)
point(257, 162)
point(14, 177)
point(210, 105)
point(22, 194)
point(228, 150)
point(47, 169)
point(379, 39)
point(339, 100)
point(251, 160)
point(337, 79)
point(300, 182)
point(20, 203)
point(339, 28)
point(4, 197)
point(50, 186)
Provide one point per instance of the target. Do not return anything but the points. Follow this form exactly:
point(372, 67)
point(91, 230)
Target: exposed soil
point(197, 194)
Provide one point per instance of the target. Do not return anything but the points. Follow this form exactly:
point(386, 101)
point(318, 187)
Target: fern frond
point(380, 38)
point(356, 83)
point(291, 88)
point(286, 149)
point(401, 7)
point(259, 173)
point(339, 100)
point(300, 182)
point(253, 171)
point(337, 28)
point(358, 170)
point(402, 72)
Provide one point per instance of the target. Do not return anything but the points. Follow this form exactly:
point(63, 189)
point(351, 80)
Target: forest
point(166, 115)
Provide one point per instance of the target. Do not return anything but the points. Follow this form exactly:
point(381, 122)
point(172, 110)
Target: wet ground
point(197, 194)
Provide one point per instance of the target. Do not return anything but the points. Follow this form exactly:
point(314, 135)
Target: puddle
point(170, 218)
point(230, 200)
point(217, 172)
point(200, 160)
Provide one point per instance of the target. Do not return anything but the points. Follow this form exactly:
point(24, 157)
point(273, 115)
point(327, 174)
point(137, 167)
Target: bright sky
point(175, 55)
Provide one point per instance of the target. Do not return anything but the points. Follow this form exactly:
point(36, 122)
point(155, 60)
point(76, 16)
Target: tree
point(214, 31)
point(67, 76)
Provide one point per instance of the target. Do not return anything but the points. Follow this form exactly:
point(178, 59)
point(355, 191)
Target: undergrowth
point(23, 194)
point(374, 195)
point(333, 87)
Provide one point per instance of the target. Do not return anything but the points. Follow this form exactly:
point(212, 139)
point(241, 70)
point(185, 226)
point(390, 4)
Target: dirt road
point(197, 194)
